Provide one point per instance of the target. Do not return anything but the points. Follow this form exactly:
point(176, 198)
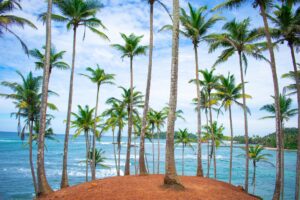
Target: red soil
point(150, 188)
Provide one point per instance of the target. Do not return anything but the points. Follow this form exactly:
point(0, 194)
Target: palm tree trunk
point(30, 124)
point(43, 185)
point(86, 157)
point(153, 161)
point(119, 150)
point(171, 174)
point(231, 144)
point(254, 176)
point(182, 159)
point(143, 170)
point(146, 160)
point(158, 149)
point(127, 164)
point(245, 122)
point(297, 189)
point(115, 156)
point(282, 162)
point(277, 190)
point(94, 136)
point(213, 144)
point(64, 179)
point(135, 168)
point(208, 161)
point(199, 153)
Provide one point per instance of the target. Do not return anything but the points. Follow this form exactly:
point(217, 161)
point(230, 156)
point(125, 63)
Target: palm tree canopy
point(55, 58)
point(292, 76)
point(255, 154)
point(99, 76)
point(228, 92)
point(184, 137)
point(287, 24)
point(8, 20)
point(117, 114)
point(84, 120)
point(285, 108)
point(217, 132)
point(237, 38)
point(178, 113)
point(79, 13)
point(131, 47)
point(99, 158)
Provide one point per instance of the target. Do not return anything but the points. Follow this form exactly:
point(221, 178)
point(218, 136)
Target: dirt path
point(150, 188)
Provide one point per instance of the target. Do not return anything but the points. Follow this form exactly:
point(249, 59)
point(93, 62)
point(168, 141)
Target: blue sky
point(131, 16)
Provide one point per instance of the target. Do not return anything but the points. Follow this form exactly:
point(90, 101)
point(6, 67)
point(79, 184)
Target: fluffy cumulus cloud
point(132, 16)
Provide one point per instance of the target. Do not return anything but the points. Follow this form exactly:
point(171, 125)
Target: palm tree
point(171, 174)
point(27, 98)
point(286, 113)
point(55, 59)
point(99, 158)
point(291, 75)
point(7, 20)
point(287, 22)
point(43, 185)
point(240, 39)
point(99, 77)
point(196, 27)
point(229, 93)
point(209, 83)
point(84, 122)
point(143, 170)
point(76, 13)
point(256, 155)
point(118, 111)
point(213, 132)
point(263, 5)
point(184, 137)
point(151, 122)
point(131, 49)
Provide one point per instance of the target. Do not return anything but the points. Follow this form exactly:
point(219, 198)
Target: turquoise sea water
point(16, 182)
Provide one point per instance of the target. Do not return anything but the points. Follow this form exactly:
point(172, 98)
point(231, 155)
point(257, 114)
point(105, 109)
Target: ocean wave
point(10, 141)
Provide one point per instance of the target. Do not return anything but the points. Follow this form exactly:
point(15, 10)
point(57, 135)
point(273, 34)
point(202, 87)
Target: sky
point(132, 16)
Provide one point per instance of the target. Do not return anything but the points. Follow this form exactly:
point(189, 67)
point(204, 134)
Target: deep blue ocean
point(16, 181)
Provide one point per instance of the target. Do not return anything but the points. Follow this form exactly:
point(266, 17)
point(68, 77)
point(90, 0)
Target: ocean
point(16, 181)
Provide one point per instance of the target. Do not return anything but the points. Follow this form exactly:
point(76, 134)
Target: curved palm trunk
point(30, 124)
point(213, 144)
point(231, 144)
point(64, 179)
point(297, 189)
point(254, 176)
point(153, 159)
point(143, 170)
point(127, 164)
point(277, 190)
point(245, 123)
point(119, 151)
point(43, 185)
point(158, 149)
point(94, 137)
point(135, 170)
point(182, 159)
point(171, 174)
point(282, 161)
point(199, 153)
point(115, 156)
point(208, 161)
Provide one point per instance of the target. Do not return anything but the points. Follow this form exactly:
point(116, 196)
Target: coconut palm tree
point(229, 93)
point(210, 82)
point(256, 155)
point(142, 167)
point(27, 99)
point(263, 5)
point(84, 122)
point(184, 137)
point(76, 13)
point(43, 185)
point(99, 158)
point(238, 38)
point(130, 49)
point(119, 114)
point(196, 26)
point(171, 174)
point(291, 88)
point(286, 22)
point(213, 132)
point(56, 59)
point(7, 20)
point(99, 77)
point(286, 113)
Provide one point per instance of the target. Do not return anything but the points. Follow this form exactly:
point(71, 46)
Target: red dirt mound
point(150, 188)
